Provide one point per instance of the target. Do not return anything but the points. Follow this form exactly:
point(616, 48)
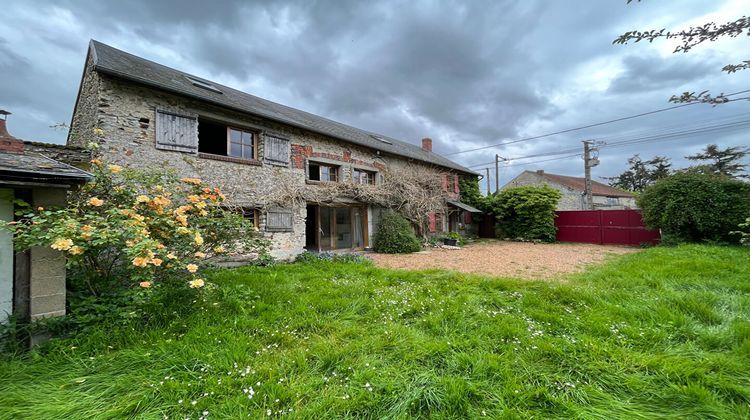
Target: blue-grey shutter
point(176, 132)
point(279, 220)
point(276, 149)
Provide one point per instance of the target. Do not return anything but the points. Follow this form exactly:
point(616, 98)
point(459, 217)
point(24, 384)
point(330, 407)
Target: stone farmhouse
point(151, 115)
point(572, 189)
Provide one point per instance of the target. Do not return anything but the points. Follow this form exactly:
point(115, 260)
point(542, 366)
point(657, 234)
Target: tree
point(470, 193)
point(642, 173)
point(690, 38)
point(526, 212)
point(723, 162)
point(696, 207)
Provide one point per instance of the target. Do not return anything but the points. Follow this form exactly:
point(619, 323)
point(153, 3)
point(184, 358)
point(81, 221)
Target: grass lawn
point(661, 333)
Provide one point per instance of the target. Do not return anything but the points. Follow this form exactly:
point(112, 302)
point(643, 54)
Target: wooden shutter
point(432, 221)
point(276, 149)
point(279, 220)
point(455, 184)
point(444, 178)
point(176, 132)
point(468, 218)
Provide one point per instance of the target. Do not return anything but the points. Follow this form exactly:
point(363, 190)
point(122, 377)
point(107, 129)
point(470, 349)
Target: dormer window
point(203, 84)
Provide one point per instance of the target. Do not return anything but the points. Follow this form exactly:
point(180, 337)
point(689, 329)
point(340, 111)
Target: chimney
point(427, 144)
point(8, 143)
point(540, 171)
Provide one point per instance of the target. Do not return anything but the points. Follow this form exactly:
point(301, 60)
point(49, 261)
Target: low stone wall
point(72, 155)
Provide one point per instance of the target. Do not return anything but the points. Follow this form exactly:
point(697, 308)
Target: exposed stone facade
point(126, 113)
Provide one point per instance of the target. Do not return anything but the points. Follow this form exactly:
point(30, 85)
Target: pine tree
point(723, 162)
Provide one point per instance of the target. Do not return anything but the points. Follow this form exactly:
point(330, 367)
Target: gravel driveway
point(505, 259)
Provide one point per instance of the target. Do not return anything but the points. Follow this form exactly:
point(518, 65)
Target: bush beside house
point(696, 207)
point(395, 235)
point(132, 233)
point(527, 212)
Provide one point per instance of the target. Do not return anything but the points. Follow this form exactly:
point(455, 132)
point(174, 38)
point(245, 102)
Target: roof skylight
point(203, 85)
point(386, 141)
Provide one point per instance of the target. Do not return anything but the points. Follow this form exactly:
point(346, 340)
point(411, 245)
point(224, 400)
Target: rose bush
point(137, 228)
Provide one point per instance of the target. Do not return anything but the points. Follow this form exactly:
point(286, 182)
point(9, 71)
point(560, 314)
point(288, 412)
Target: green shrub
point(696, 207)
point(395, 235)
point(526, 212)
point(455, 235)
point(308, 257)
point(744, 232)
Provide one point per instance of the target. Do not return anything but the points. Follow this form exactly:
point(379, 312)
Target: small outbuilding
point(32, 282)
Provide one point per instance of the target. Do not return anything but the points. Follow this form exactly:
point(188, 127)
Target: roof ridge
point(94, 44)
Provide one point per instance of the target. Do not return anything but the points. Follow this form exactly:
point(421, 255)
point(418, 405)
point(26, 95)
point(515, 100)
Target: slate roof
point(579, 184)
point(117, 63)
point(33, 167)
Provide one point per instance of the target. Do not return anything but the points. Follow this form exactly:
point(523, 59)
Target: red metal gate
point(620, 227)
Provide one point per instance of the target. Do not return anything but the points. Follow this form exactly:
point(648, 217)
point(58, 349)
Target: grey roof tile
point(114, 62)
point(37, 166)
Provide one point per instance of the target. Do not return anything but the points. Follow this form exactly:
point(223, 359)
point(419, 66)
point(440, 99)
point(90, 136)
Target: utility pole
point(588, 163)
point(497, 173)
point(488, 181)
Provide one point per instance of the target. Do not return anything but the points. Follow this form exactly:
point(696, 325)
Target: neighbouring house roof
point(37, 168)
point(579, 184)
point(117, 63)
point(464, 206)
point(18, 166)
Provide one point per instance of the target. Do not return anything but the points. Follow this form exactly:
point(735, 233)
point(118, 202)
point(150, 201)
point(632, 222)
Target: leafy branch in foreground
point(689, 38)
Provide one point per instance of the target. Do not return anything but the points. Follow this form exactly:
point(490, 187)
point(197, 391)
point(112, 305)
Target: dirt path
point(507, 259)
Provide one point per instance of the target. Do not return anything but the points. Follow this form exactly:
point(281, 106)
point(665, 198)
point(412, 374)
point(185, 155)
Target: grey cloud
point(467, 74)
point(648, 72)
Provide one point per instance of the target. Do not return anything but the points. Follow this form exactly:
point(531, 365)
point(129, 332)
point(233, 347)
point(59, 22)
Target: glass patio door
point(341, 227)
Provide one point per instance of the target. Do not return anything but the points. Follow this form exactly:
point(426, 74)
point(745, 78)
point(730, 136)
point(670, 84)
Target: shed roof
point(120, 64)
point(37, 167)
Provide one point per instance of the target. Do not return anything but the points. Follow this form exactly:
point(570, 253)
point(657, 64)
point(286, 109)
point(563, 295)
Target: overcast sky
point(467, 74)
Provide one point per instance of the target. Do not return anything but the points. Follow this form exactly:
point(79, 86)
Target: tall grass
point(661, 333)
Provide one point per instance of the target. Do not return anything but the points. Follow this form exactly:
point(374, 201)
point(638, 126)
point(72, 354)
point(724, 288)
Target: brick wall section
point(10, 145)
point(126, 111)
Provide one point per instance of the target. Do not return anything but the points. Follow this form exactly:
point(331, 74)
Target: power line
point(630, 142)
point(660, 134)
point(629, 117)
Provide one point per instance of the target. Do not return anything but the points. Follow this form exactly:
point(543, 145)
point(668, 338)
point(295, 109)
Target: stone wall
point(47, 266)
point(126, 113)
point(72, 155)
point(85, 118)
